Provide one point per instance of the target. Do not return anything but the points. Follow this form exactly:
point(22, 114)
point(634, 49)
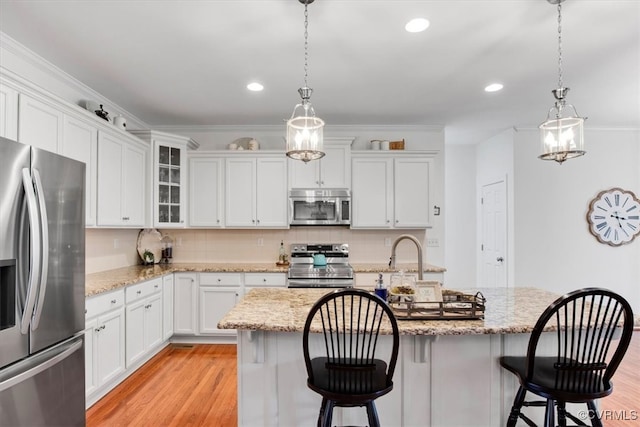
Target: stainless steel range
point(324, 265)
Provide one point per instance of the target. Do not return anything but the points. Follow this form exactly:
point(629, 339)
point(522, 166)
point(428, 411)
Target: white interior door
point(494, 235)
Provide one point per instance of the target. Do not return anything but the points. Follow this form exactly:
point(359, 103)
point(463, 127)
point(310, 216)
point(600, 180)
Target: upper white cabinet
point(40, 124)
point(331, 171)
point(80, 142)
point(256, 191)
point(8, 112)
point(122, 181)
point(206, 201)
point(391, 191)
point(169, 177)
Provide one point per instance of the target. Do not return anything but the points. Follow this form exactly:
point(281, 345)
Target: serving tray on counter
point(455, 306)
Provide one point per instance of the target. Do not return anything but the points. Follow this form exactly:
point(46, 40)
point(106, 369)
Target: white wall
point(459, 213)
point(553, 247)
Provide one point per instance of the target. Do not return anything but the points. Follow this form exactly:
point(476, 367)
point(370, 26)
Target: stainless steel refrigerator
point(42, 276)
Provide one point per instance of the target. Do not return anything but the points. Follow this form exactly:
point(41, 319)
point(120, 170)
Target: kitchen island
point(447, 372)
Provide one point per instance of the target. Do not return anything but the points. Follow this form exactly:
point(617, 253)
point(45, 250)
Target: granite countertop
point(384, 268)
point(105, 281)
point(507, 311)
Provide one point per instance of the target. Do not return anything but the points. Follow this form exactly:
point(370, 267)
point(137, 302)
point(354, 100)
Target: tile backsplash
point(114, 248)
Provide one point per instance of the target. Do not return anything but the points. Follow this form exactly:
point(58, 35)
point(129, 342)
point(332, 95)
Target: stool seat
point(356, 382)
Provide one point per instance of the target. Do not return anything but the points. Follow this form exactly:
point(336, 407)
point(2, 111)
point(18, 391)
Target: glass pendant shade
point(305, 134)
point(562, 138)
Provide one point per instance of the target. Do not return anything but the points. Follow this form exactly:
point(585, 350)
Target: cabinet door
point(152, 321)
point(81, 143)
point(167, 306)
point(372, 192)
point(335, 166)
point(411, 192)
point(110, 348)
point(205, 192)
point(134, 183)
point(304, 175)
point(39, 124)
point(271, 193)
point(90, 372)
point(8, 112)
point(169, 189)
point(240, 191)
point(135, 331)
point(110, 183)
point(185, 304)
point(215, 302)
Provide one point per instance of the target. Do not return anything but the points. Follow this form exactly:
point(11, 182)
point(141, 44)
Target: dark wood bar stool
point(350, 370)
point(587, 353)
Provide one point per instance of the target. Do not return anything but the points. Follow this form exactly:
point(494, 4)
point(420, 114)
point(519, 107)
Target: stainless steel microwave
point(320, 206)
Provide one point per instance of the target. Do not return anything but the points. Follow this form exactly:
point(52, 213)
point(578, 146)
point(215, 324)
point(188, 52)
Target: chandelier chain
point(559, 45)
point(306, 44)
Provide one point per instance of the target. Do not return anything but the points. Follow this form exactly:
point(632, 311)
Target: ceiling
point(186, 63)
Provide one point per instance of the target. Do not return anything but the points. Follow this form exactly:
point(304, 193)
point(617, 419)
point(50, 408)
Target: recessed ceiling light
point(417, 25)
point(493, 87)
point(255, 87)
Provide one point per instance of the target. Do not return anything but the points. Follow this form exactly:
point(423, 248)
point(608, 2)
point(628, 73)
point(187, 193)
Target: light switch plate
point(433, 243)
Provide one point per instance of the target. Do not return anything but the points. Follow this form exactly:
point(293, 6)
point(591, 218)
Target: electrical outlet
point(433, 243)
point(387, 241)
point(260, 241)
point(116, 244)
point(179, 241)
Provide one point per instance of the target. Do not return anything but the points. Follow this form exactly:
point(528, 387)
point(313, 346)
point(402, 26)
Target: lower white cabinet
point(104, 340)
point(218, 294)
point(185, 303)
point(144, 319)
point(167, 306)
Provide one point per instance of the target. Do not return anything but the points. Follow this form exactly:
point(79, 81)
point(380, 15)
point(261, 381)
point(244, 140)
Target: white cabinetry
point(331, 171)
point(104, 340)
point(206, 191)
point(80, 142)
point(122, 180)
point(391, 192)
point(8, 112)
point(40, 124)
point(167, 306)
point(219, 293)
point(256, 191)
point(260, 280)
point(144, 319)
point(185, 320)
point(169, 177)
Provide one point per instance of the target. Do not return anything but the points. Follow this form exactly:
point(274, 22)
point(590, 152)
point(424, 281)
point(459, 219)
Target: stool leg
point(593, 411)
point(515, 409)
point(549, 414)
point(372, 414)
point(562, 417)
point(328, 413)
point(321, 413)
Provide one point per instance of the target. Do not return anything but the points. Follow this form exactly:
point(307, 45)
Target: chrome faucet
point(392, 260)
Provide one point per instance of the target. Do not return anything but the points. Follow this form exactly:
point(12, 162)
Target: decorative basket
point(396, 145)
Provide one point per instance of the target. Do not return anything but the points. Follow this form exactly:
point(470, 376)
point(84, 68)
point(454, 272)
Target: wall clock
point(614, 216)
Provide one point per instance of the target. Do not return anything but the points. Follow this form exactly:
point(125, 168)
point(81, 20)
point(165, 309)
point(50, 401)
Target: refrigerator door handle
point(65, 351)
point(36, 246)
point(44, 242)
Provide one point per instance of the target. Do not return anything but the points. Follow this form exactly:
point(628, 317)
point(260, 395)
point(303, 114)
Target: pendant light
point(561, 134)
point(304, 129)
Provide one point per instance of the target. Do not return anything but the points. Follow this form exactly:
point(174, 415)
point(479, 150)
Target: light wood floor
point(196, 386)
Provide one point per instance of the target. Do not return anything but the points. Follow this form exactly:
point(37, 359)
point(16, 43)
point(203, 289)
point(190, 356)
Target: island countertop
point(507, 311)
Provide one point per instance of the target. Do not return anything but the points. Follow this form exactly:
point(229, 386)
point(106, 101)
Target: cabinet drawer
point(215, 279)
point(94, 306)
point(265, 279)
point(144, 289)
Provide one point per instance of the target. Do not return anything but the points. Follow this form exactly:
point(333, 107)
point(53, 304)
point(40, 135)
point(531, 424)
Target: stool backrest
point(350, 321)
point(586, 323)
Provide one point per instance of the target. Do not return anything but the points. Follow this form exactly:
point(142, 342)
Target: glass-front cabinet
point(170, 177)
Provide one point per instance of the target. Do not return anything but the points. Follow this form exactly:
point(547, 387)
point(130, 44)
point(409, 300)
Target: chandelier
point(562, 133)
point(304, 129)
